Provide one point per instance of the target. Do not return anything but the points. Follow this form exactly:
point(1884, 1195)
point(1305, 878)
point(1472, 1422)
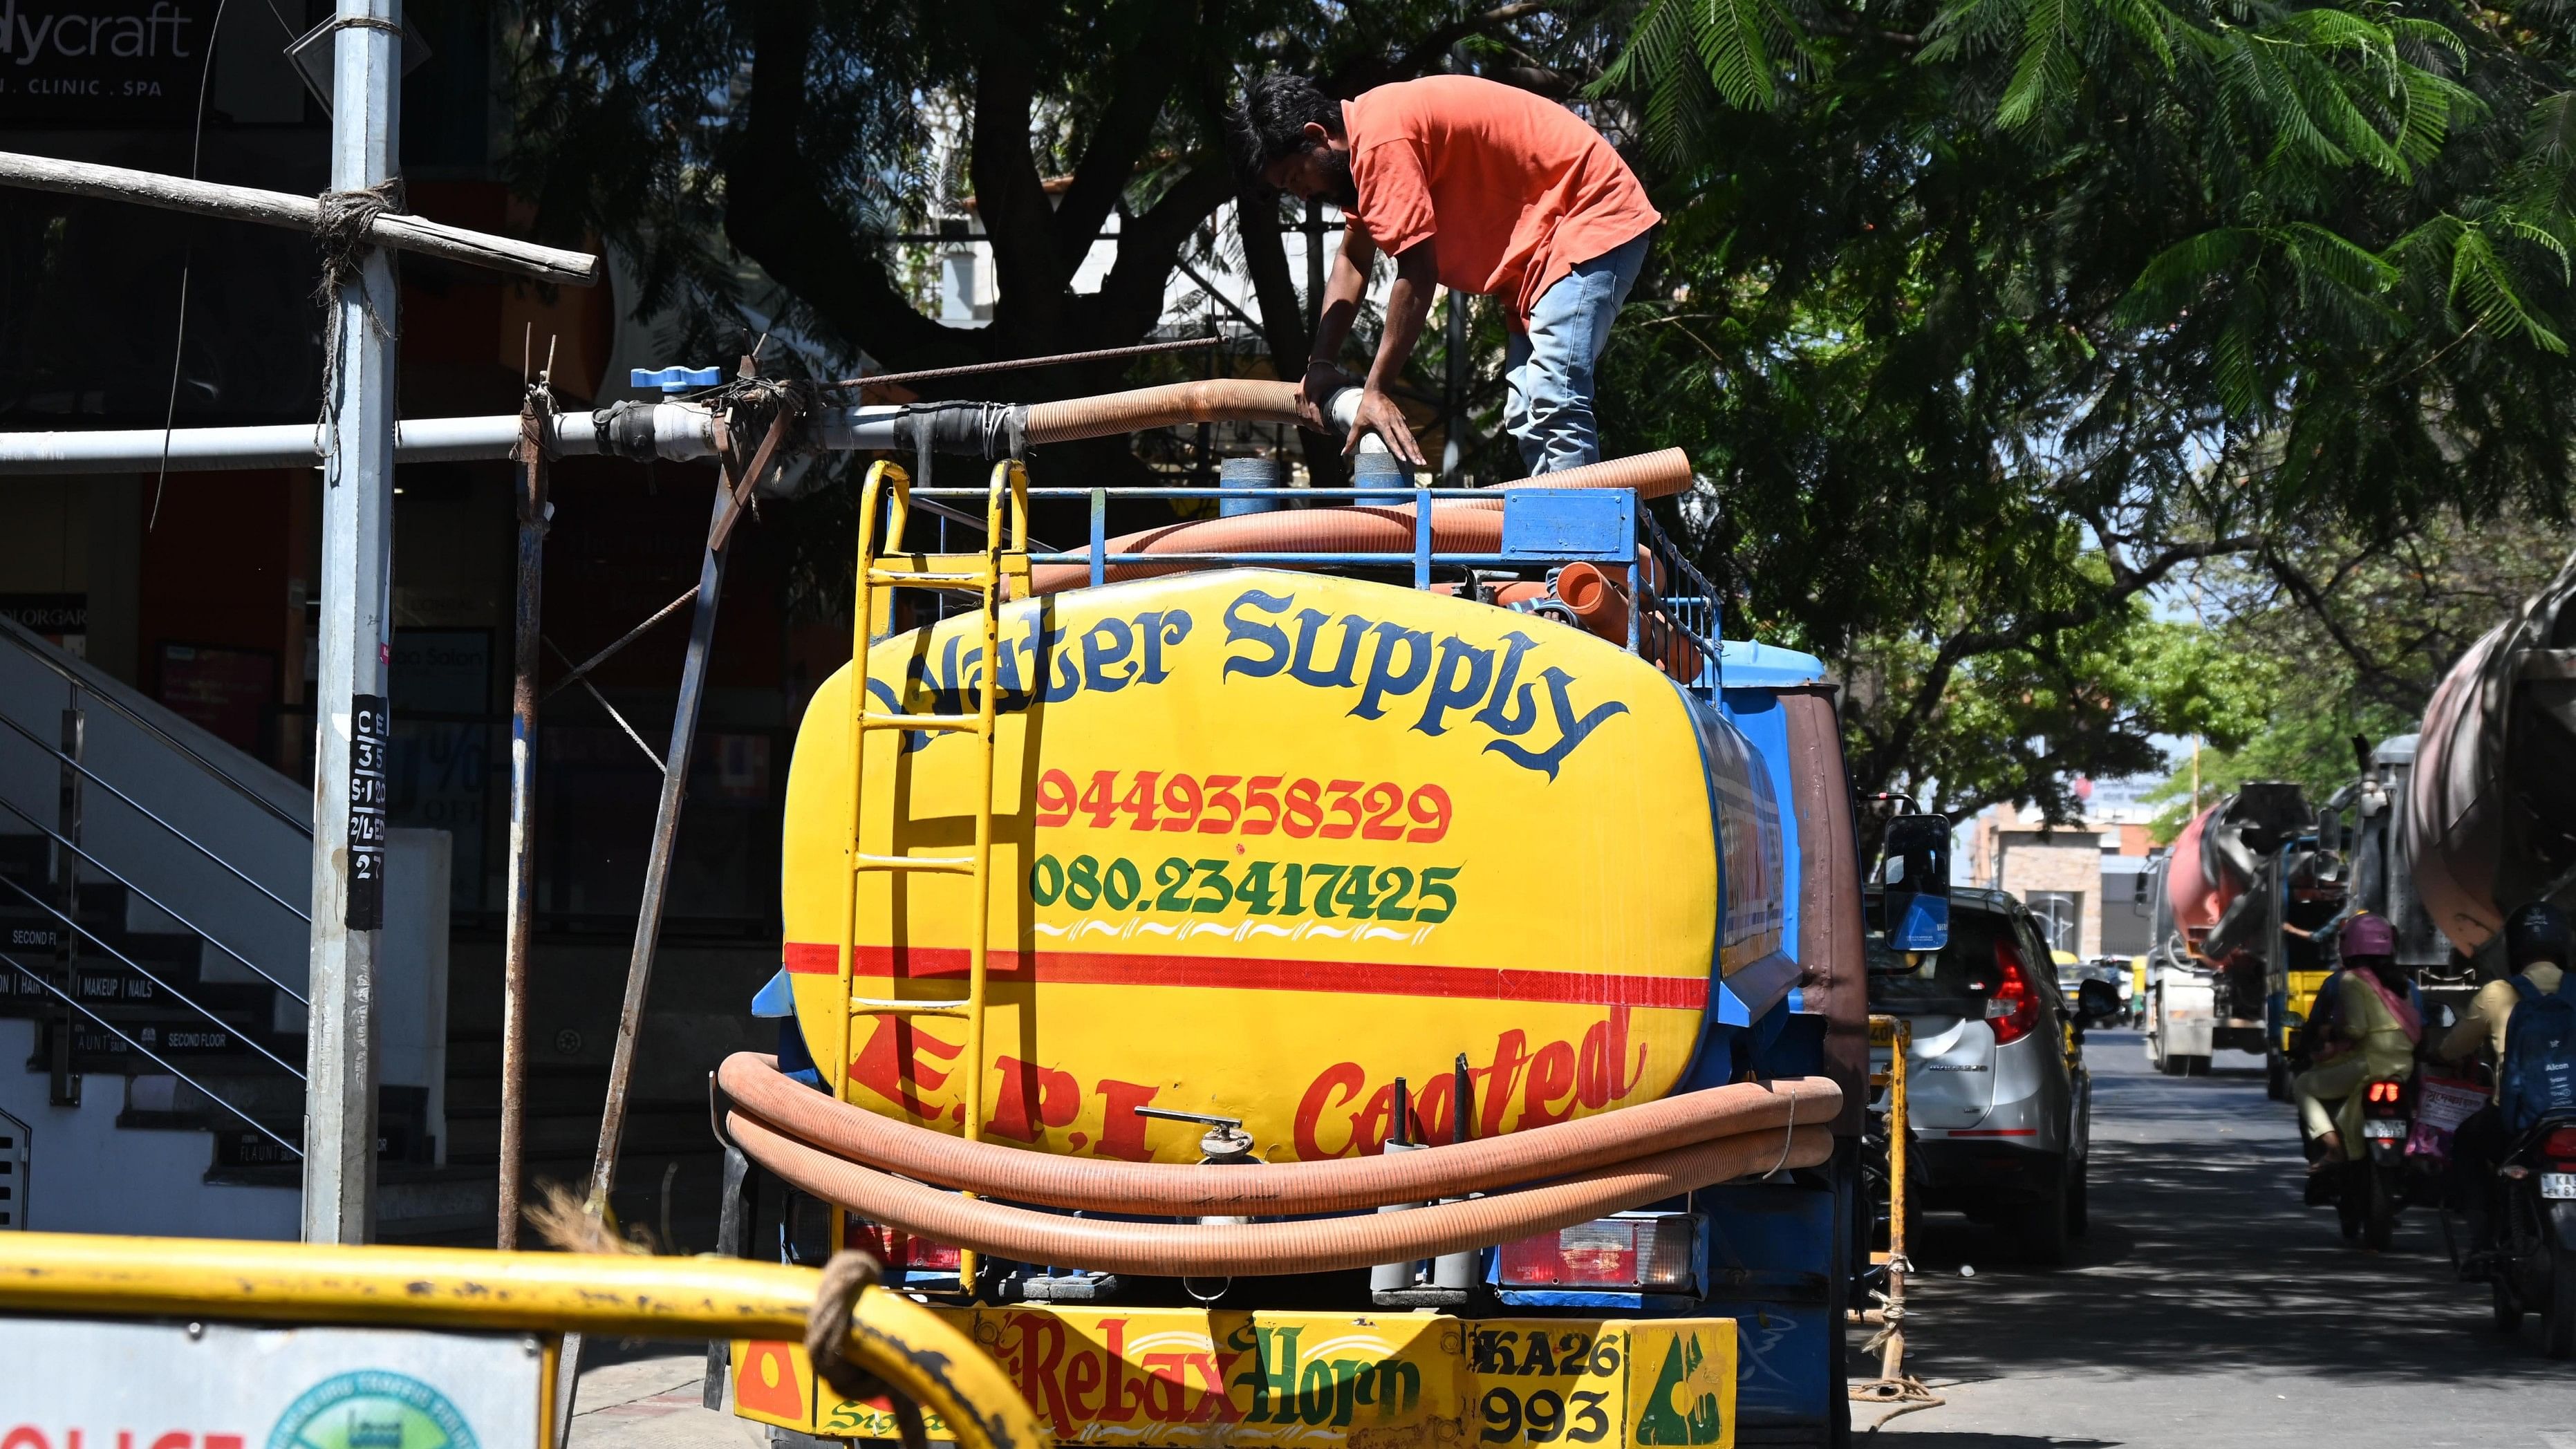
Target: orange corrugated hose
point(1270, 1249)
point(1601, 1164)
point(756, 1089)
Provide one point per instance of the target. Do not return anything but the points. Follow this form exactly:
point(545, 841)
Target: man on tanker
point(1475, 186)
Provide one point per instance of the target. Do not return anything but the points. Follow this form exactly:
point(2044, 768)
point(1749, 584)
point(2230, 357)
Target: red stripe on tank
point(1233, 973)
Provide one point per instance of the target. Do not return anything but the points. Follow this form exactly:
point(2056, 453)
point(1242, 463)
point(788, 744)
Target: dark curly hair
point(1275, 113)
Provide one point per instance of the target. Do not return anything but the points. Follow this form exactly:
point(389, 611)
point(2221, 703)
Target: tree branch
point(1010, 197)
point(2314, 601)
point(1959, 648)
point(779, 217)
point(1142, 77)
point(1131, 298)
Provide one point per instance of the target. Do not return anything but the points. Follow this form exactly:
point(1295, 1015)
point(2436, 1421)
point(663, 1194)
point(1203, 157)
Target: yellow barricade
point(459, 1296)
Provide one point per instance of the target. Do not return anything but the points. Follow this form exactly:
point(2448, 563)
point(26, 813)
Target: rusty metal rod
point(534, 514)
point(1015, 364)
point(582, 669)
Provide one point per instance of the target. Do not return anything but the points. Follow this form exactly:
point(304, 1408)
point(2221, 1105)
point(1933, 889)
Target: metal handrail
point(12, 630)
point(903, 1344)
point(111, 872)
point(139, 969)
point(145, 811)
point(157, 1059)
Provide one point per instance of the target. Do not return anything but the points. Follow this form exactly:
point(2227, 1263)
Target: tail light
point(2384, 1099)
point(1645, 1252)
point(920, 1255)
point(2013, 1010)
point(2559, 1145)
point(899, 1249)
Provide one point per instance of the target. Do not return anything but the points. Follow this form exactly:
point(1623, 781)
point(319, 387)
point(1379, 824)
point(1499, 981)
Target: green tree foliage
point(759, 158)
point(2347, 638)
point(1948, 283)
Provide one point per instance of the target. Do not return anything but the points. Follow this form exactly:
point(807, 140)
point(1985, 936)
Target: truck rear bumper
point(1193, 1377)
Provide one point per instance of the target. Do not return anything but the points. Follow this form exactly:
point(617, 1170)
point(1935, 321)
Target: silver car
point(1997, 1094)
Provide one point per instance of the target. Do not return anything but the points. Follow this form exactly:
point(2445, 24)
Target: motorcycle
point(2369, 1186)
point(2534, 1266)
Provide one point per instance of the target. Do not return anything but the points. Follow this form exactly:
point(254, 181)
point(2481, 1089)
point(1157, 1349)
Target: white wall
point(85, 1175)
point(411, 971)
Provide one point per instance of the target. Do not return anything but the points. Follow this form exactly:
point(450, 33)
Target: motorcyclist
point(2537, 945)
point(2372, 1037)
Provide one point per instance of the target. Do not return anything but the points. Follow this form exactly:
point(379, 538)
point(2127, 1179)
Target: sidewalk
point(652, 1402)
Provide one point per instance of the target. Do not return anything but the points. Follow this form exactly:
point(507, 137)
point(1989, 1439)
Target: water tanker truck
point(2491, 818)
point(1372, 975)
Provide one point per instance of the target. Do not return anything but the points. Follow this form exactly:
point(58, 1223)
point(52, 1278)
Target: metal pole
point(349, 702)
point(66, 1082)
point(733, 1240)
point(657, 867)
point(1314, 229)
point(1454, 404)
point(534, 513)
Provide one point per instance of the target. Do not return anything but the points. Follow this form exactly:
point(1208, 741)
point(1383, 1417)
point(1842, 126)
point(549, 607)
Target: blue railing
point(1542, 527)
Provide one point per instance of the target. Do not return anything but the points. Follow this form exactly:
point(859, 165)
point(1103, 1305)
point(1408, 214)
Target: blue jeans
point(1547, 371)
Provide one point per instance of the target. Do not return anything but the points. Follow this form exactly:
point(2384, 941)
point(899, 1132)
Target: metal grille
point(13, 1174)
point(1691, 601)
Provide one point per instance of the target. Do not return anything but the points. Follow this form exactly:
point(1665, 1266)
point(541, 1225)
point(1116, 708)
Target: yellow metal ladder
point(988, 575)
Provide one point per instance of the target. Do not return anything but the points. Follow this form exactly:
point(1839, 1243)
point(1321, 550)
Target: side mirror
point(1914, 883)
point(2097, 1003)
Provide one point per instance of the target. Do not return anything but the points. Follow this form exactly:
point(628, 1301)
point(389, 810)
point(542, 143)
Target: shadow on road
point(2202, 1258)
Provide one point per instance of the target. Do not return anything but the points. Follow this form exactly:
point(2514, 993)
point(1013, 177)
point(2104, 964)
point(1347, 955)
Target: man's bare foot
point(2330, 1152)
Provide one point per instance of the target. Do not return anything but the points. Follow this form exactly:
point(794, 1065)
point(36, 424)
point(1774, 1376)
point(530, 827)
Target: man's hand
point(1378, 414)
point(1315, 394)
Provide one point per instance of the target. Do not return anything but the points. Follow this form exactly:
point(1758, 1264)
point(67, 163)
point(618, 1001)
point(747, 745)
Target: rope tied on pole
point(827, 1327)
point(341, 227)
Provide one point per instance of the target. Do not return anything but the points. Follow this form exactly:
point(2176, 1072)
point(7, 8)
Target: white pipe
point(680, 430)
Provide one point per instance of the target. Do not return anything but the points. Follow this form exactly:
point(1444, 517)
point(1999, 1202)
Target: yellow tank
point(1267, 842)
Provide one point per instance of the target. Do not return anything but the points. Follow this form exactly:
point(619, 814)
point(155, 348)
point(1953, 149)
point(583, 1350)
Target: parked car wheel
point(2078, 1200)
point(2276, 1077)
point(2044, 1225)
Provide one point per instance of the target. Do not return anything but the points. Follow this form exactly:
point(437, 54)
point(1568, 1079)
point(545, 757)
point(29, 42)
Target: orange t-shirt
point(1517, 188)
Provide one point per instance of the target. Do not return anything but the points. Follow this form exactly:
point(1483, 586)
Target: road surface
point(2209, 1308)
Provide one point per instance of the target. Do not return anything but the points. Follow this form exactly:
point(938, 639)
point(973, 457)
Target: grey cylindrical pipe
point(1374, 467)
point(680, 431)
point(1395, 1277)
point(1248, 473)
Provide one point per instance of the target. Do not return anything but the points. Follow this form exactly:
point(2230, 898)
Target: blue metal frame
point(1697, 614)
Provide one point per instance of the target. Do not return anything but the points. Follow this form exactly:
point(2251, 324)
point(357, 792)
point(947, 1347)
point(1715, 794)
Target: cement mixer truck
point(1338, 975)
point(2491, 818)
point(2237, 902)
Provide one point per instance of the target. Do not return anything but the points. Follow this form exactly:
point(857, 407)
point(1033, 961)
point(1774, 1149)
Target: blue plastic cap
point(679, 379)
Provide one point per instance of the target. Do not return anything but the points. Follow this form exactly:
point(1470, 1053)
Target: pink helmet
point(2368, 936)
